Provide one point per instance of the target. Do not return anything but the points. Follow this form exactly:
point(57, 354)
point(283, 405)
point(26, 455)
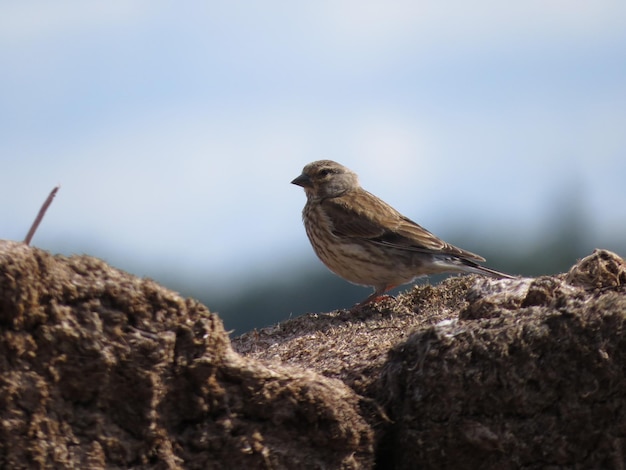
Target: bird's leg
point(378, 294)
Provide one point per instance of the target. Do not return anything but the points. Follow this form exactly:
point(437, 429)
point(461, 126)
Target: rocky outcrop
point(480, 373)
point(100, 369)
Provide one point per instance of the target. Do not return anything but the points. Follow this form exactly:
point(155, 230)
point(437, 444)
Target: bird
point(367, 242)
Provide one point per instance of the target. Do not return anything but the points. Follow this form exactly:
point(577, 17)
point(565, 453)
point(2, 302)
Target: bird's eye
point(326, 172)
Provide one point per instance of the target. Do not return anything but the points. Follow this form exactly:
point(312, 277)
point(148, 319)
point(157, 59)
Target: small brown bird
point(366, 241)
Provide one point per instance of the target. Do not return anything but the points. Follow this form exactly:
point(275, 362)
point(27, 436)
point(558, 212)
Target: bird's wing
point(362, 215)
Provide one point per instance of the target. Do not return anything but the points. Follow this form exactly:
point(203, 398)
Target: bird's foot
point(374, 298)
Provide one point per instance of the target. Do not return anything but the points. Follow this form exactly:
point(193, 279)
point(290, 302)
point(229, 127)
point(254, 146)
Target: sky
point(175, 128)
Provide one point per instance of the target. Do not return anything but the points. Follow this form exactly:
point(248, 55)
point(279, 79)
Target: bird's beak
point(303, 180)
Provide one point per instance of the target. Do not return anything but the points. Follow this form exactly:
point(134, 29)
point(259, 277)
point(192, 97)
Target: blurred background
point(175, 128)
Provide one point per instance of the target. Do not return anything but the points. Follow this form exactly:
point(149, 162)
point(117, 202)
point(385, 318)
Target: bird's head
point(324, 178)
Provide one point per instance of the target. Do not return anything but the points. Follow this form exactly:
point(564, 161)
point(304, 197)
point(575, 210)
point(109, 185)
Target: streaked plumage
point(366, 241)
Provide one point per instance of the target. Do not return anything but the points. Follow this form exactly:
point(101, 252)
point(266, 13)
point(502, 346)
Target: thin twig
point(42, 212)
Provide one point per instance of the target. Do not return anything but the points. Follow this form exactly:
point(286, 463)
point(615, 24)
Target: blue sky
point(175, 128)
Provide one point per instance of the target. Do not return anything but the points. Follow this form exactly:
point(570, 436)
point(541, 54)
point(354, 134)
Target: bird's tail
point(476, 268)
point(464, 265)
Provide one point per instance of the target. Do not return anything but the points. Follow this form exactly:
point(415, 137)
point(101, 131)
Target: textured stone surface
point(481, 373)
point(100, 369)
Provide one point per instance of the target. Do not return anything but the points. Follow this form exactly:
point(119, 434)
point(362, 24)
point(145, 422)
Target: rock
point(536, 386)
point(481, 373)
point(100, 369)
